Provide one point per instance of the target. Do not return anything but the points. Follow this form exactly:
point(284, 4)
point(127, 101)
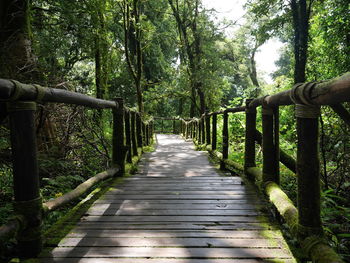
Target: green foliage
point(330, 42)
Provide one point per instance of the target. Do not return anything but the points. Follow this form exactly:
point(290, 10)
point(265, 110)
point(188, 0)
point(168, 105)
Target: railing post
point(250, 130)
point(139, 130)
point(194, 130)
point(147, 134)
point(225, 140)
point(207, 127)
point(162, 126)
point(183, 127)
point(203, 129)
point(133, 134)
point(28, 202)
point(128, 136)
point(151, 131)
point(200, 131)
point(119, 148)
point(214, 132)
point(270, 153)
point(308, 169)
point(174, 126)
point(144, 137)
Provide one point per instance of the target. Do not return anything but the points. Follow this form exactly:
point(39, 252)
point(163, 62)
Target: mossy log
point(254, 172)
point(284, 205)
point(214, 153)
point(79, 190)
point(233, 164)
point(320, 252)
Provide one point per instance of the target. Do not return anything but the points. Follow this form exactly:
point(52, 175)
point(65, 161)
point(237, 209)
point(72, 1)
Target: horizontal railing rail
point(12, 90)
point(305, 221)
point(130, 133)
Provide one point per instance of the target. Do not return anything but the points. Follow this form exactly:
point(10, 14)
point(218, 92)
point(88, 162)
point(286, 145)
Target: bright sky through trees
point(233, 10)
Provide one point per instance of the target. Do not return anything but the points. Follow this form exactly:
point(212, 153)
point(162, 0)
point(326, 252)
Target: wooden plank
point(183, 206)
point(168, 242)
point(184, 187)
point(174, 212)
point(121, 218)
point(180, 197)
point(162, 212)
point(108, 233)
point(168, 178)
point(150, 260)
point(213, 185)
point(174, 226)
point(156, 252)
point(117, 192)
point(178, 201)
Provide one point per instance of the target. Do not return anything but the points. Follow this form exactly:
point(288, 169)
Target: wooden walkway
point(177, 209)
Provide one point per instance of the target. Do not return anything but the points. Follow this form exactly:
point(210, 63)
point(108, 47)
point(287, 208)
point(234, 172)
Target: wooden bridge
point(178, 208)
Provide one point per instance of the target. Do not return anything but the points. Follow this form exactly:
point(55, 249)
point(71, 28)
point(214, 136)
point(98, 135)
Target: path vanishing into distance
point(177, 209)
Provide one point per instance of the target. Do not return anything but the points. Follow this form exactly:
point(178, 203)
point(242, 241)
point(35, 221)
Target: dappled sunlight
point(171, 212)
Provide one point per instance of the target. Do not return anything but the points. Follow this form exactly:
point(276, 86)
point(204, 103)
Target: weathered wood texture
point(26, 176)
point(16, 91)
point(171, 213)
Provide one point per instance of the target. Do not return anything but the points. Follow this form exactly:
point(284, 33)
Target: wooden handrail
point(21, 102)
point(329, 92)
point(304, 222)
point(15, 91)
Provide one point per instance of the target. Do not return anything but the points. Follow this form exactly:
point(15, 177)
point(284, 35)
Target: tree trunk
point(301, 14)
point(253, 72)
point(16, 58)
point(132, 46)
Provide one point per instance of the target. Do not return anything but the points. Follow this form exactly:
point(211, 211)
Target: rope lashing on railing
point(12, 90)
point(301, 93)
point(328, 92)
point(20, 91)
point(27, 207)
point(307, 111)
point(41, 93)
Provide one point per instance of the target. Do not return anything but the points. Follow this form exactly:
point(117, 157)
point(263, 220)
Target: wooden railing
point(130, 132)
point(305, 221)
point(174, 126)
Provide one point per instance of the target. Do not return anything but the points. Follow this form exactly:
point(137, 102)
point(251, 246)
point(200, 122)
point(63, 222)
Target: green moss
point(233, 164)
point(284, 205)
point(319, 251)
point(63, 226)
point(254, 172)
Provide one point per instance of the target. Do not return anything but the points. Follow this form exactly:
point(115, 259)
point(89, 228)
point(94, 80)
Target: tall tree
point(131, 11)
point(301, 10)
point(186, 15)
point(292, 12)
point(16, 57)
point(98, 11)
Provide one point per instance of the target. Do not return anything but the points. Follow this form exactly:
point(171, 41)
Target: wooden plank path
point(177, 209)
